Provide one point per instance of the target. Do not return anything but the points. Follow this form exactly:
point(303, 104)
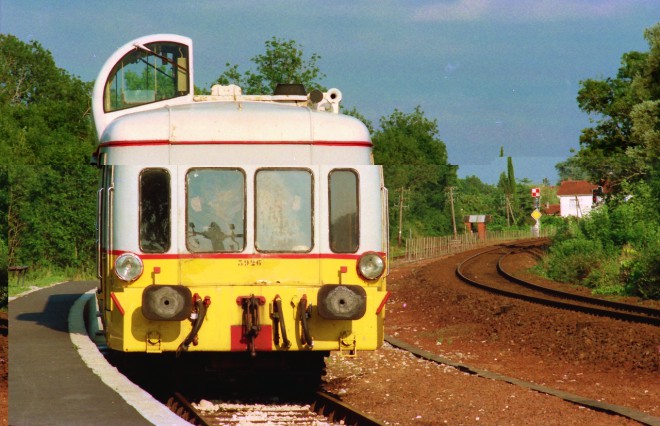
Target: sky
point(492, 73)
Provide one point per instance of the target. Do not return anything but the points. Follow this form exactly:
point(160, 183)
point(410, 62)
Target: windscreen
point(150, 73)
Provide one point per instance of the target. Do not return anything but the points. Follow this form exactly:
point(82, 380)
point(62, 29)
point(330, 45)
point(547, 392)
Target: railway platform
point(52, 381)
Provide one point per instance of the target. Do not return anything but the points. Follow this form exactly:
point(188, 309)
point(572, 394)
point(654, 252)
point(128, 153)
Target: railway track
point(500, 281)
point(204, 399)
point(322, 410)
point(626, 412)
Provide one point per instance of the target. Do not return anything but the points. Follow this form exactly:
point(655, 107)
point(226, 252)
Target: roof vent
point(288, 89)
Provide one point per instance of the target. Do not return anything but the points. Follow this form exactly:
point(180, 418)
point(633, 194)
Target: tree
point(46, 139)
point(616, 248)
point(624, 143)
point(415, 159)
point(475, 197)
point(507, 183)
point(283, 62)
point(570, 169)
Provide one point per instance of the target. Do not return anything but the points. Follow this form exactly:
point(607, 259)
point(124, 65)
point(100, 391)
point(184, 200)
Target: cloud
point(524, 10)
point(451, 67)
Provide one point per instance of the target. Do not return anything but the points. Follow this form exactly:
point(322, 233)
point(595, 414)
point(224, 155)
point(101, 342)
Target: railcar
point(250, 224)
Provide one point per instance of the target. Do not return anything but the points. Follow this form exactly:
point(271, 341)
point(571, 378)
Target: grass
point(43, 278)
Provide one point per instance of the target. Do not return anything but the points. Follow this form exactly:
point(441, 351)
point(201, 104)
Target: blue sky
point(491, 72)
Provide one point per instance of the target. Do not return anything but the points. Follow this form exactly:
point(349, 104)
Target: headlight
point(128, 267)
point(371, 266)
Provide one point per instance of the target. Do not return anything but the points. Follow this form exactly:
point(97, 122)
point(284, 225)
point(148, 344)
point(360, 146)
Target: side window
point(344, 211)
point(215, 210)
point(155, 208)
point(284, 210)
point(155, 72)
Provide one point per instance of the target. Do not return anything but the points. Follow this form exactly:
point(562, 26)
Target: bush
point(642, 272)
point(566, 230)
point(606, 279)
point(613, 250)
point(573, 260)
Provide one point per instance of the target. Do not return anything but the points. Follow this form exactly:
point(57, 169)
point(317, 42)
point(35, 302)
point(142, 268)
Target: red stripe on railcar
point(136, 143)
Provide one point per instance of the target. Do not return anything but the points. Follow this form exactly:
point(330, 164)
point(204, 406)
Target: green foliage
point(415, 163)
point(570, 169)
point(510, 178)
point(624, 143)
point(642, 272)
point(621, 152)
point(282, 62)
point(614, 250)
point(572, 260)
point(553, 221)
point(475, 197)
point(46, 138)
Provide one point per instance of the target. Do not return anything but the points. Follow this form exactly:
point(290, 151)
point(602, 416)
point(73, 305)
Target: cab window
point(215, 210)
point(155, 211)
point(284, 209)
point(152, 73)
point(344, 212)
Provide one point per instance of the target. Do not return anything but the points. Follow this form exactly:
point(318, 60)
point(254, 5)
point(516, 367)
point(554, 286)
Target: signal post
point(536, 214)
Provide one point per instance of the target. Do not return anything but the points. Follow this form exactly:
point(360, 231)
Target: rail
point(618, 410)
point(579, 303)
point(330, 409)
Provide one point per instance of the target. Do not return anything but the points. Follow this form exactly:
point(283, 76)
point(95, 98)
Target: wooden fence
point(429, 247)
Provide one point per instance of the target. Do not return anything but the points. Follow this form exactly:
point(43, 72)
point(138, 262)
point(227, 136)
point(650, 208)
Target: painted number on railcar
point(249, 262)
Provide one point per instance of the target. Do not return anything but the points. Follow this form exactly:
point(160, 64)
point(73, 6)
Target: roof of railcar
point(236, 121)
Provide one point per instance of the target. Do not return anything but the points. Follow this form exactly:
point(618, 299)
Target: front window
point(284, 210)
point(344, 217)
point(215, 210)
point(154, 73)
point(154, 211)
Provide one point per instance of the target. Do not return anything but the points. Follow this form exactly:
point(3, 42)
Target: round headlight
point(128, 267)
point(371, 266)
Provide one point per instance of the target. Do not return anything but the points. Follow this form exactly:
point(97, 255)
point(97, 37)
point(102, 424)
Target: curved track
point(501, 282)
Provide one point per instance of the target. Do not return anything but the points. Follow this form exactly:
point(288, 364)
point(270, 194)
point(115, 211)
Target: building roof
point(575, 187)
point(552, 210)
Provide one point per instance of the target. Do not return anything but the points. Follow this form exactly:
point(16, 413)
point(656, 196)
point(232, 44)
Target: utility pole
point(453, 216)
point(400, 215)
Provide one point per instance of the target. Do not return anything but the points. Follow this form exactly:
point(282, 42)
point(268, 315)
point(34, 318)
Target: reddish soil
point(4, 367)
point(597, 358)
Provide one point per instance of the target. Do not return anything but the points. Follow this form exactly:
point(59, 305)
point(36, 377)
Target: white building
point(575, 197)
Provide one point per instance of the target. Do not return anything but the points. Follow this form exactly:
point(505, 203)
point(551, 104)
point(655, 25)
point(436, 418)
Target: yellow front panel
point(225, 280)
point(241, 271)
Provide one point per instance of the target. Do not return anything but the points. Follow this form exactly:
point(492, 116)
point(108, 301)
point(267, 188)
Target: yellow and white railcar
point(233, 222)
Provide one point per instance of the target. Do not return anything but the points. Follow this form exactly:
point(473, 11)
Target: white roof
point(237, 121)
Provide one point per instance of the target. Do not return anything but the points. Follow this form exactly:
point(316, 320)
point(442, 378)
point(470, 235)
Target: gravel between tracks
point(597, 358)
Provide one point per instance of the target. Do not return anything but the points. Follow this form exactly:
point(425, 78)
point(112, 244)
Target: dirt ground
point(4, 367)
point(601, 359)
